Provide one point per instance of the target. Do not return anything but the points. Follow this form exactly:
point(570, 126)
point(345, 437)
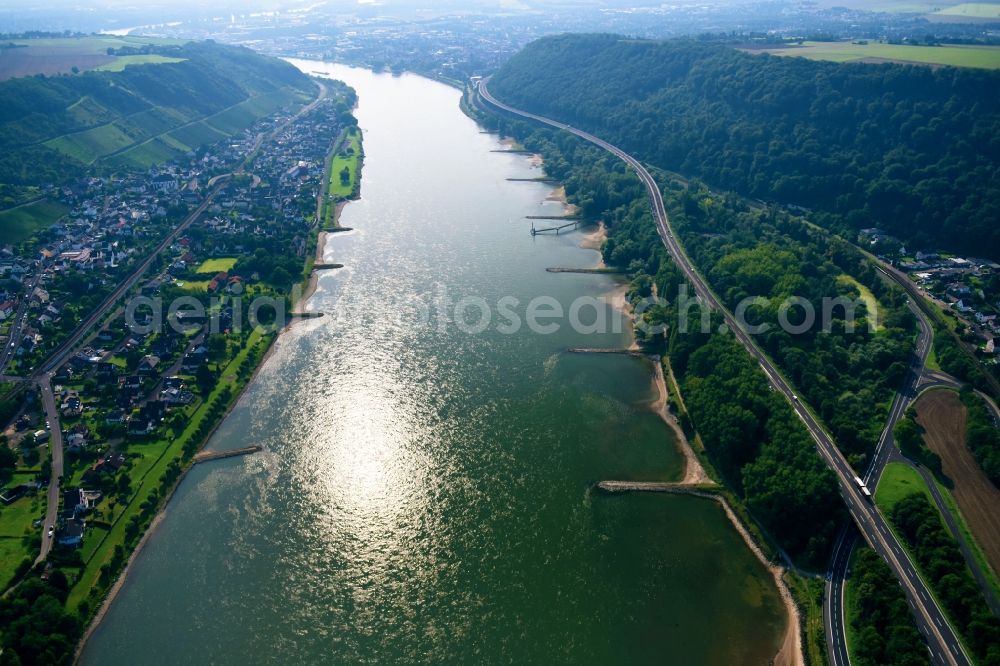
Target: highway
point(885, 452)
point(834, 616)
point(943, 643)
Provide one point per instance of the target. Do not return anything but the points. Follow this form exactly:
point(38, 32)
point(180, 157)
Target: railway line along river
point(425, 489)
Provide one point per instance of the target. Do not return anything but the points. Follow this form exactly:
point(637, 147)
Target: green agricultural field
point(240, 116)
point(188, 136)
point(93, 144)
point(61, 55)
point(982, 10)
point(130, 142)
point(121, 62)
point(217, 265)
point(18, 224)
point(146, 154)
point(195, 134)
point(982, 57)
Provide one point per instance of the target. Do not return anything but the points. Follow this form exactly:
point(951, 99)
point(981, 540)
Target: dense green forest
point(884, 630)
point(982, 436)
point(849, 365)
point(910, 149)
point(758, 444)
point(942, 564)
point(52, 127)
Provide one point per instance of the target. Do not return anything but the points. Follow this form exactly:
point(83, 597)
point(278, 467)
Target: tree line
point(982, 436)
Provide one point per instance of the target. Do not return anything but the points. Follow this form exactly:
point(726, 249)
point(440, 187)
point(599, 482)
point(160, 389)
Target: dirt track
point(942, 415)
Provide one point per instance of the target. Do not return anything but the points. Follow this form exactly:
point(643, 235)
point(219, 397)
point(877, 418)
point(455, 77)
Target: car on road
point(52, 530)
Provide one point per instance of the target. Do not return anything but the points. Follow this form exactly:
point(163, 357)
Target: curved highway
point(834, 617)
point(943, 643)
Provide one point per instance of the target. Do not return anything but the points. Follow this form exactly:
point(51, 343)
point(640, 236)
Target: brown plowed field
point(942, 415)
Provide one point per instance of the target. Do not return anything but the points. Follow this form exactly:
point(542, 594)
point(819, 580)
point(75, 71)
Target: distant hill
point(913, 150)
point(168, 100)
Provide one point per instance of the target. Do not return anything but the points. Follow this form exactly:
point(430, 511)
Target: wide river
point(426, 490)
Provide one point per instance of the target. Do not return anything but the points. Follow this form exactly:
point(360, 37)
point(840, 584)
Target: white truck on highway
point(864, 489)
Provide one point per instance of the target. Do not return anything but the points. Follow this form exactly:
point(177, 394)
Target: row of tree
point(982, 436)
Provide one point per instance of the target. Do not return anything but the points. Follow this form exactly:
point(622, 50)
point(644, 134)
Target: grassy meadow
point(217, 265)
point(982, 57)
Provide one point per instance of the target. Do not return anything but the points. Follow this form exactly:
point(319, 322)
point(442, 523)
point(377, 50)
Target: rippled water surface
point(425, 492)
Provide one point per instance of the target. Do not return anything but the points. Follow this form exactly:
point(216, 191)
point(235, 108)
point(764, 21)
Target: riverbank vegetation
point(750, 433)
point(345, 167)
point(873, 146)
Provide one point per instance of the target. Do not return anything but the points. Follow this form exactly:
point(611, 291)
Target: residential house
point(194, 358)
point(71, 533)
point(147, 366)
point(76, 441)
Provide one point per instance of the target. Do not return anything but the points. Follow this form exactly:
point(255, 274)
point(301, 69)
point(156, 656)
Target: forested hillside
point(910, 149)
point(53, 127)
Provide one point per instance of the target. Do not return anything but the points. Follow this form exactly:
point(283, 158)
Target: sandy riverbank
point(313, 282)
point(594, 240)
point(790, 653)
point(694, 473)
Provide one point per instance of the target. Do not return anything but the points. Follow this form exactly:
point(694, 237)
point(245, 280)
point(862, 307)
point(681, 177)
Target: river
point(425, 492)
